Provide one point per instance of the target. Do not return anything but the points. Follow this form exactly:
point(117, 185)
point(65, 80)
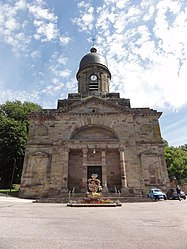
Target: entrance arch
point(96, 149)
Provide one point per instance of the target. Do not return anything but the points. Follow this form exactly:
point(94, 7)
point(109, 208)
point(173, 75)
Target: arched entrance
point(94, 149)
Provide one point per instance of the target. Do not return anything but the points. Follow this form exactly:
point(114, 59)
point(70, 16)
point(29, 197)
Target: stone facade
point(93, 131)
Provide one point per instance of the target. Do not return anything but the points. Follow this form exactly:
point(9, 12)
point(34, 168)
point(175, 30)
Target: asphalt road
point(150, 225)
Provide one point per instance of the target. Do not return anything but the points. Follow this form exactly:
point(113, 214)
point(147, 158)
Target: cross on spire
point(93, 41)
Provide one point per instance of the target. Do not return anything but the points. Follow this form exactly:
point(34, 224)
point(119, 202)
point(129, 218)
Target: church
point(93, 131)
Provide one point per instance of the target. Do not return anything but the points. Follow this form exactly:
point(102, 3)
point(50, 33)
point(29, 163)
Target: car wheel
point(184, 197)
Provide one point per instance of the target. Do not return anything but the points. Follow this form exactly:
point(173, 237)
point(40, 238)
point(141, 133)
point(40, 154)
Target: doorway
point(95, 170)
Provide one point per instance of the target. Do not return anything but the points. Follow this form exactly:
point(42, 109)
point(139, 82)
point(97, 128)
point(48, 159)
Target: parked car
point(157, 194)
point(172, 194)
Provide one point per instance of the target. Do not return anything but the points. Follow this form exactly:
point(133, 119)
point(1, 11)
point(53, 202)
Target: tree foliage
point(13, 136)
point(176, 160)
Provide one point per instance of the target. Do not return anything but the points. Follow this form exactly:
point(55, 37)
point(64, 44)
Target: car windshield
point(156, 190)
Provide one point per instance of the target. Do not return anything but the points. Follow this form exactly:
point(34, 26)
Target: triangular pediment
point(92, 105)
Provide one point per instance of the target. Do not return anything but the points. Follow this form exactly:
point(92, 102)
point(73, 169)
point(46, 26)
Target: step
point(120, 199)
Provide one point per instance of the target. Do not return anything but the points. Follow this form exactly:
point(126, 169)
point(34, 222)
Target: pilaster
point(84, 170)
point(123, 169)
point(104, 171)
point(65, 170)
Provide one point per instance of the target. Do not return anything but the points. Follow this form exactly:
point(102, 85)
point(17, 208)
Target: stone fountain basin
point(94, 202)
point(94, 205)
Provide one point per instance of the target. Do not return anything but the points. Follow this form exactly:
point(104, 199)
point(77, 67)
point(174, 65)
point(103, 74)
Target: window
point(93, 86)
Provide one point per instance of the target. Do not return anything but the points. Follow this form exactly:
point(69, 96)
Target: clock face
point(93, 77)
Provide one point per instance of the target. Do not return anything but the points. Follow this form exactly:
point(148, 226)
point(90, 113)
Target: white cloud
point(174, 127)
point(21, 4)
point(64, 74)
point(64, 40)
point(56, 70)
point(86, 19)
point(36, 54)
point(41, 13)
point(150, 12)
point(62, 60)
point(120, 4)
point(146, 49)
point(26, 23)
point(46, 98)
point(11, 24)
point(55, 77)
point(49, 31)
point(19, 95)
point(60, 89)
point(24, 27)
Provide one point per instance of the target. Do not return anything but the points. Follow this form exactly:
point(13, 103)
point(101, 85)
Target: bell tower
point(93, 75)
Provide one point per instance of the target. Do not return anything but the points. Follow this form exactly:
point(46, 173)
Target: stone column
point(84, 170)
point(123, 169)
point(104, 171)
point(65, 170)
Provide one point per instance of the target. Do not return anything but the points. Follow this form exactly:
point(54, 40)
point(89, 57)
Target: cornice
point(67, 106)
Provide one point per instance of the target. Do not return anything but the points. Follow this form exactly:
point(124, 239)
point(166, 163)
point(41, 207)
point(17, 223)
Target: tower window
point(93, 86)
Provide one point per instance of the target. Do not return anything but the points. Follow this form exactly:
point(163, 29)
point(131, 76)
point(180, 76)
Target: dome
point(93, 58)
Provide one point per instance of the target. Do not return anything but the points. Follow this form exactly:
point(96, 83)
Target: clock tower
point(93, 75)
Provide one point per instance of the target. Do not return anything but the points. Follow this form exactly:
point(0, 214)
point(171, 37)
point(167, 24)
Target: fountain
point(93, 196)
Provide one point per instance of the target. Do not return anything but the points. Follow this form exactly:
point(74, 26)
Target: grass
point(14, 191)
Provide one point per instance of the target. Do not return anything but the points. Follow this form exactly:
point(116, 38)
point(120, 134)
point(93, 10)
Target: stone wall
point(113, 170)
point(184, 188)
point(75, 170)
point(105, 127)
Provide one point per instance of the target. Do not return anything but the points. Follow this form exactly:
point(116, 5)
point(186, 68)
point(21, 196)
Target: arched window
point(93, 133)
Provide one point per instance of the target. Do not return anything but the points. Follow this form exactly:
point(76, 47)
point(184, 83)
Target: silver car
point(156, 194)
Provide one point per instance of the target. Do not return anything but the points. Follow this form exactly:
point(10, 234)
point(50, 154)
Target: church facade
point(93, 131)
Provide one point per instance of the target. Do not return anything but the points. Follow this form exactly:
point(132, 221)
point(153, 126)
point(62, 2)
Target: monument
point(93, 196)
point(93, 131)
point(94, 185)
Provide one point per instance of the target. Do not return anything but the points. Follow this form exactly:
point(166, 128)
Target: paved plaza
point(150, 225)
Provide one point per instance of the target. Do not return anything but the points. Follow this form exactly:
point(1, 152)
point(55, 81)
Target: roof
point(93, 58)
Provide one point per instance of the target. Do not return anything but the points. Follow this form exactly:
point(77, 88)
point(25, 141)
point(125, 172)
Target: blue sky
point(42, 42)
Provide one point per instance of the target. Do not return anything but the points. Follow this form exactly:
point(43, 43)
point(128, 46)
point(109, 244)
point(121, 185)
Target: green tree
point(13, 136)
point(176, 160)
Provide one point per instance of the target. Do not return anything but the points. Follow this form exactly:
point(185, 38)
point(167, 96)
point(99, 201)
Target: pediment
point(92, 105)
point(39, 154)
